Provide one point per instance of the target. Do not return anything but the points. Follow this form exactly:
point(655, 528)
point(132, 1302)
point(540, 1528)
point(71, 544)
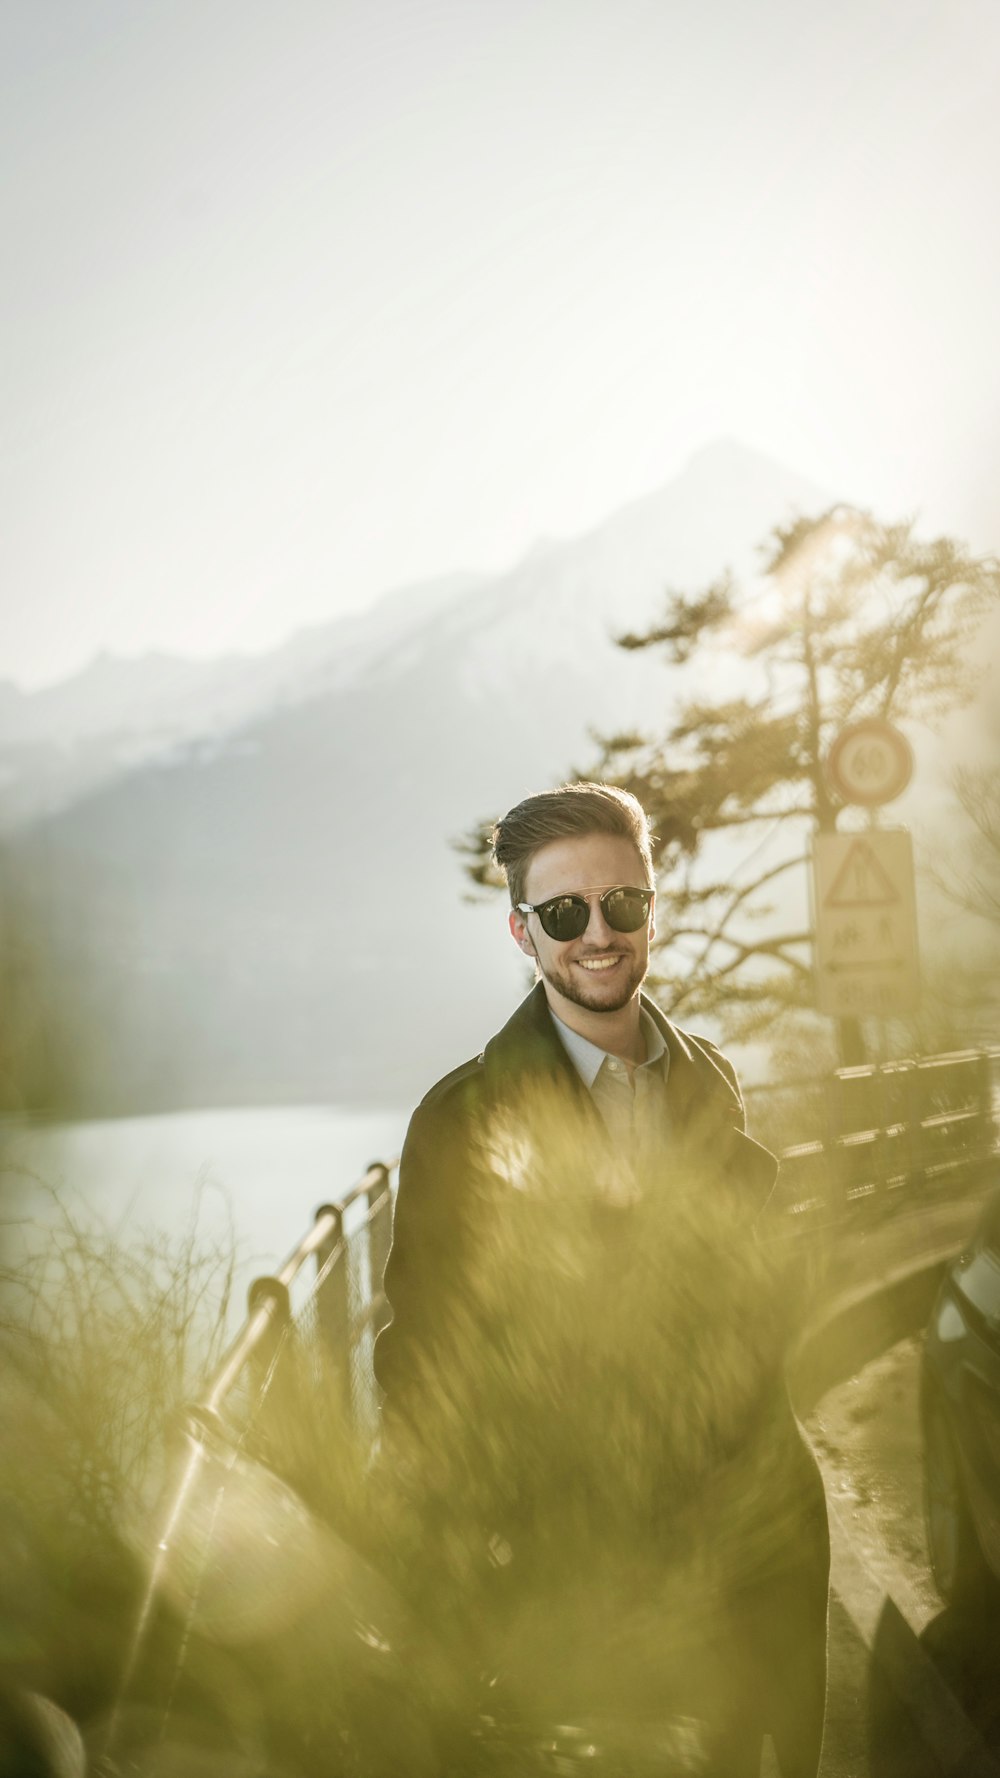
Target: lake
point(261, 1171)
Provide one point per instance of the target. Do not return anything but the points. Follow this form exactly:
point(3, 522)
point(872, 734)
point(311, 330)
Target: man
point(662, 1151)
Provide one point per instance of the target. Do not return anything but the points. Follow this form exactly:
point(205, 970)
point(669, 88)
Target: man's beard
point(592, 1000)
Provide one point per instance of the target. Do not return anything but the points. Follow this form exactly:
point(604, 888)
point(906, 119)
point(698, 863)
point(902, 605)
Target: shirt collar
point(588, 1059)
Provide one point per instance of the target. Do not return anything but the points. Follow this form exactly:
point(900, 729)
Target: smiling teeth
point(599, 963)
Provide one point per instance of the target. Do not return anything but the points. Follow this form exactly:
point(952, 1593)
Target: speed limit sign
point(870, 762)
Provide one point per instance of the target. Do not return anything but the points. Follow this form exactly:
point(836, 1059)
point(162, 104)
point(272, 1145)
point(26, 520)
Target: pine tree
point(852, 618)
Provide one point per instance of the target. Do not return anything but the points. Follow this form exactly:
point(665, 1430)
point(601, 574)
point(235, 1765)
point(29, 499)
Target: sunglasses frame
point(600, 896)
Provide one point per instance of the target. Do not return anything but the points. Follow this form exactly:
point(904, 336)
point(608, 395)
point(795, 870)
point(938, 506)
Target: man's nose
point(598, 932)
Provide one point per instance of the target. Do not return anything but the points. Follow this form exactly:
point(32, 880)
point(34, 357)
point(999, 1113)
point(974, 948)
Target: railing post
point(271, 1368)
point(918, 1135)
point(986, 1135)
point(333, 1309)
point(264, 1354)
point(834, 1171)
point(379, 1241)
point(894, 1160)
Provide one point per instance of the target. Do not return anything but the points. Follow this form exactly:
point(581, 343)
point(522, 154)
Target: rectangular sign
point(865, 922)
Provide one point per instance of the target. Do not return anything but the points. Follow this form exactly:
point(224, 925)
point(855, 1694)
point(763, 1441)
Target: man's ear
point(519, 932)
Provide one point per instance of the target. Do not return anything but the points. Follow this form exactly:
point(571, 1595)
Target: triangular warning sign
point(861, 882)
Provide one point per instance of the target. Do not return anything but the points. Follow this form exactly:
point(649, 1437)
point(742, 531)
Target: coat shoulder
point(713, 1054)
point(456, 1089)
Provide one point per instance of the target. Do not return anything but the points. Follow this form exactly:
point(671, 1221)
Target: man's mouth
point(595, 964)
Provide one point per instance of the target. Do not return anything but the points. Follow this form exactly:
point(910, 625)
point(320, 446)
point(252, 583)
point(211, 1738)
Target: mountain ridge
point(274, 909)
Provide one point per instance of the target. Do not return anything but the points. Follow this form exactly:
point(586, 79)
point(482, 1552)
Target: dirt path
point(867, 1437)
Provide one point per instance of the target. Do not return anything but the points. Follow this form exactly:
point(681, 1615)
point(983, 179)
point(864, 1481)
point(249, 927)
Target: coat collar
point(704, 1102)
point(529, 1044)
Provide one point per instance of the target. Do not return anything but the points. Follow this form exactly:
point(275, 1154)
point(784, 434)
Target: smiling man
point(590, 939)
point(663, 1170)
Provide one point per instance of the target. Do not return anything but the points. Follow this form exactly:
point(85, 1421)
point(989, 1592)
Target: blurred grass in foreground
point(100, 1344)
point(592, 1463)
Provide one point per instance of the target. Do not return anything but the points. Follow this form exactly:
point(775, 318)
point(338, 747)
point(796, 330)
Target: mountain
point(257, 897)
point(58, 744)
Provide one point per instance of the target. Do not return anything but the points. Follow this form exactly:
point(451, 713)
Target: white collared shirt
point(632, 1100)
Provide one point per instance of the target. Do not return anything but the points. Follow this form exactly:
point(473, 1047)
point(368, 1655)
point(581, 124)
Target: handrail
point(268, 1297)
point(327, 1221)
point(248, 1341)
point(868, 1070)
point(892, 1129)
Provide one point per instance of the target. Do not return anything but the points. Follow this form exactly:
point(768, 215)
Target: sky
point(304, 302)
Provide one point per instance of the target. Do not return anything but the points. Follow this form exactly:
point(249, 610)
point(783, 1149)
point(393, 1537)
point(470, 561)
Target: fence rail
point(338, 1307)
point(882, 1134)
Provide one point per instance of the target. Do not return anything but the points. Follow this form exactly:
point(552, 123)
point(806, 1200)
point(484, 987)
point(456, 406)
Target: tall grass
point(592, 1458)
point(101, 1341)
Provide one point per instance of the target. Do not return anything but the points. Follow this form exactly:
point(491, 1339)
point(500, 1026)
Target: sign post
point(864, 901)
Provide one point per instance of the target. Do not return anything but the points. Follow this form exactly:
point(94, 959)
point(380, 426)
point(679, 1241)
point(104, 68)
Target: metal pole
point(333, 1309)
point(379, 1241)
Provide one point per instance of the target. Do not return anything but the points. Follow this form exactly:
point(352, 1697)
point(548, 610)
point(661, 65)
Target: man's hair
point(572, 810)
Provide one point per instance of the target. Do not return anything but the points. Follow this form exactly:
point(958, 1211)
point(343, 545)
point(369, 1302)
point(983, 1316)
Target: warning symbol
point(862, 881)
point(865, 923)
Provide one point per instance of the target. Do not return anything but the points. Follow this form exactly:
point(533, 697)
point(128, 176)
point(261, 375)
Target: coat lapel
point(528, 1050)
point(707, 1107)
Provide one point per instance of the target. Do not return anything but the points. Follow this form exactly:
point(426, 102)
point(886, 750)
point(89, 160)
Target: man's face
point(602, 969)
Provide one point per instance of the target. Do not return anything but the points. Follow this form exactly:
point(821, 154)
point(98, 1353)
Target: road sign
point(865, 920)
point(870, 762)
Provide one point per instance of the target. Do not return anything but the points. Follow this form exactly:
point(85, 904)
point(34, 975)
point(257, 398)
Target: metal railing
point(298, 1372)
point(871, 1137)
point(332, 1311)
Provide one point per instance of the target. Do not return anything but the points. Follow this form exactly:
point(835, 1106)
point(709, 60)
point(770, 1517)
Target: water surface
point(261, 1172)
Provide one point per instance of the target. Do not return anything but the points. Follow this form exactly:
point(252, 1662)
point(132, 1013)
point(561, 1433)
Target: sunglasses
point(568, 916)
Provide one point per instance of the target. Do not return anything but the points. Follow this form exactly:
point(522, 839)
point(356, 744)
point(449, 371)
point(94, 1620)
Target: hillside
point(256, 898)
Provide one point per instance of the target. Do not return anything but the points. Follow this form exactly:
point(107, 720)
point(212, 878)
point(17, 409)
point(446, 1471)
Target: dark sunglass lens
point(626, 909)
point(564, 918)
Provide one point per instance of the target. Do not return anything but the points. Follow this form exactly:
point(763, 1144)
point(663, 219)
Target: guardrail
point(894, 1132)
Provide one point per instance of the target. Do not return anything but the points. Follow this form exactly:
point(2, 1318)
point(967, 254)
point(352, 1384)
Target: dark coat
point(783, 1622)
point(426, 1259)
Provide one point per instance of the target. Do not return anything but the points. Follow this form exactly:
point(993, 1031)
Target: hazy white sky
point(301, 301)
